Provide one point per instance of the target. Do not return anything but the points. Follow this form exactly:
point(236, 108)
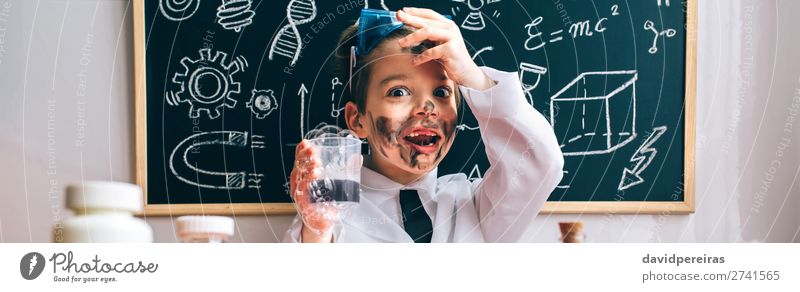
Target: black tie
point(416, 222)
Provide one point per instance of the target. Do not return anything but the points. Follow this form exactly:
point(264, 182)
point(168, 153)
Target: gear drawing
point(262, 103)
point(207, 83)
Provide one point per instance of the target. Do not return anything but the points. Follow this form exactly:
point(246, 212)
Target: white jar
point(204, 229)
point(104, 213)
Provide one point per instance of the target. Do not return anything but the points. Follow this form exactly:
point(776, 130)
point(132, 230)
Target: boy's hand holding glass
point(326, 180)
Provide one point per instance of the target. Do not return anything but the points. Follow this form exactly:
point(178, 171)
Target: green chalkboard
point(226, 88)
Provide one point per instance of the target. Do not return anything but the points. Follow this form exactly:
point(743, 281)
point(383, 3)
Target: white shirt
point(525, 166)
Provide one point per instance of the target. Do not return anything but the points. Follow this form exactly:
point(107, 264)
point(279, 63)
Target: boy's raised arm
point(526, 161)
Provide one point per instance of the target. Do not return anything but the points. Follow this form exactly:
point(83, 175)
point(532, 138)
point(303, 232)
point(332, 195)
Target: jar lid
point(104, 195)
point(204, 224)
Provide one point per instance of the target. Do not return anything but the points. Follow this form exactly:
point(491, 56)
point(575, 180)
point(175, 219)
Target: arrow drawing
point(641, 159)
point(302, 93)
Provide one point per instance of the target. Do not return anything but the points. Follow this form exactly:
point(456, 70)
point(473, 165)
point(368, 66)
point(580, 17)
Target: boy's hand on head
point(450, 49)
point(318, 219)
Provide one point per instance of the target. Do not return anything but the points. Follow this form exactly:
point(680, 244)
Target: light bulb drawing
point(235, 14)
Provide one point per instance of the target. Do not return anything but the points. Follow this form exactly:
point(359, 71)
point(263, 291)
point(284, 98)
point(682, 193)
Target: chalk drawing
point(475, 173)
point(288, 42)
point(667, 33)
point(262, 103)
point(235, 14)
point(382, 4)
point(177, 10)
point(484, 49)
point(530, 75)
point(188, 172)
point(641, 160)
point(612, 113)
point(465, 127)
point(302, 93)
point(534, 41)
point(577, 29)
point(474, 20)
point(207, 83)
point(335, 110)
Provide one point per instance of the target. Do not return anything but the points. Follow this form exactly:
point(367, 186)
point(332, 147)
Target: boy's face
point(410, 112)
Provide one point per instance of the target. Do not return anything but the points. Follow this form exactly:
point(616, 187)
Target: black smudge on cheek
point(380, 140)
point(389, 136)
point(448, 129)
point(383, 125)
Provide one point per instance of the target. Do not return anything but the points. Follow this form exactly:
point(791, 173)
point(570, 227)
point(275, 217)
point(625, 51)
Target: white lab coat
point(526, 165)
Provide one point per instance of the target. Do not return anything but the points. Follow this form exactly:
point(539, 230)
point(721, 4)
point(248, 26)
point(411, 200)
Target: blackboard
point(224, 90)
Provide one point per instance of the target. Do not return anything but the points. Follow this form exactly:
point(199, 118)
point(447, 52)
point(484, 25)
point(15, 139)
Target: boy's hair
point(362, 71)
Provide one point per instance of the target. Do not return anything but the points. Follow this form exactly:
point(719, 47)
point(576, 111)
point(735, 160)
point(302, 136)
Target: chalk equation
point(537, 39)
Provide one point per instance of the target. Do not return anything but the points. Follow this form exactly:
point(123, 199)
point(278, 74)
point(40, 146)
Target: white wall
point(67, 88)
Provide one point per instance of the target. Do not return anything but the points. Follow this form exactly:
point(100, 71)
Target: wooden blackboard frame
point(606, 207)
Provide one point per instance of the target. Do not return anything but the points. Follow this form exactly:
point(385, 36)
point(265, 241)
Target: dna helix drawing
point(288, 42)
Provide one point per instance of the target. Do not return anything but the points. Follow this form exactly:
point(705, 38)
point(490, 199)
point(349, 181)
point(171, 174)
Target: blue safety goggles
point(373, 26)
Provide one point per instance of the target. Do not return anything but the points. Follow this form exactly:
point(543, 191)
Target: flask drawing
point(287, 42)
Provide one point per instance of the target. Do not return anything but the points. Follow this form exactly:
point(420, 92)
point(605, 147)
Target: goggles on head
point(373, 26)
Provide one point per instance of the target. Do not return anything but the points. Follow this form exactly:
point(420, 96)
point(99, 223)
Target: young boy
point(404, 102)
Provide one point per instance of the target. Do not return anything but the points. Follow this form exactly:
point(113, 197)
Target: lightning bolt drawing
point(641, 160)
point(33, 265)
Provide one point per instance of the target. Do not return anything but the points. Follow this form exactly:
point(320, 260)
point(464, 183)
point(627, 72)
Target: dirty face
point(410, 112)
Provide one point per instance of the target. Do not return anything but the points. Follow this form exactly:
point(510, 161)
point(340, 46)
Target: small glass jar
point(204, 229)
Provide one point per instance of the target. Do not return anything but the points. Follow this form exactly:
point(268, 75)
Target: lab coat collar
point(384, 188)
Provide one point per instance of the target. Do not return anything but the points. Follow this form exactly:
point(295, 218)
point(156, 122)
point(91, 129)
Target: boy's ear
point(355, 120)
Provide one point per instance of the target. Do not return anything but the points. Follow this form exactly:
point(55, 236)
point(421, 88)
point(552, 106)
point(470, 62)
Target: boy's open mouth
point(423, 140)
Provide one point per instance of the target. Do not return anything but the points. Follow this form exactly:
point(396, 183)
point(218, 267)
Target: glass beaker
point(338, 180)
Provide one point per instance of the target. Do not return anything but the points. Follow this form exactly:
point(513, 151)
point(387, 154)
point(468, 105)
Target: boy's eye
point(399, 91)
point(442, 92)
